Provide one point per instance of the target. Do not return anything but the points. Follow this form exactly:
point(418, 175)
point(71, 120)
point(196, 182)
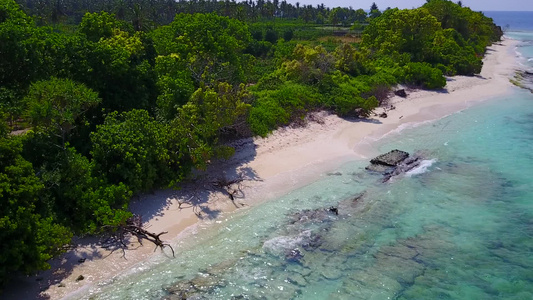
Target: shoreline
point(286, 160)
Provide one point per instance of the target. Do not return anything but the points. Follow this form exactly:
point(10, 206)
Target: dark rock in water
point(201, 285)
point(294, 255)
point(297, 279)
point(358, 197)
point(334, 210)
point(335, 174)
point(313, 242)
point(391, 158)
point(400, 93)
point(193, 289)
point(393, 163)
point(379, 168)
point(312, 216)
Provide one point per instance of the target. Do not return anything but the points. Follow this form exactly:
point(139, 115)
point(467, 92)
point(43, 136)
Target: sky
point(477, 5)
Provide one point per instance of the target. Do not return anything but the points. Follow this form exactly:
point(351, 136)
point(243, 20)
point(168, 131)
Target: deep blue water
point(460, 228)
point(512, 20)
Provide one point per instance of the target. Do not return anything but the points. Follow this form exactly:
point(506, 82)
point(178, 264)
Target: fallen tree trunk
point(135, 228)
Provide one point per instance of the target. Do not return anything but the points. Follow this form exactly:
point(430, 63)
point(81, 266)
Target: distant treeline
point(115, 104)
point(148, 14)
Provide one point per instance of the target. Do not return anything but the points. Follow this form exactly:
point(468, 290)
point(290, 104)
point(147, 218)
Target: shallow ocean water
point(461, 227)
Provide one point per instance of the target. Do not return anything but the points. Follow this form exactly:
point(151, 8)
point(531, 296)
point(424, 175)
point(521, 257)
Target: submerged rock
point(295, 255)
point(393, 163)
point(391, 158)
point(297, 279)
point(313, 215)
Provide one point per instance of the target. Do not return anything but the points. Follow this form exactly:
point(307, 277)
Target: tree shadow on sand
point(224, 180)
point(82, 250)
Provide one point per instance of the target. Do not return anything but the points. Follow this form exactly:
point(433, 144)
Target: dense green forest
point(118, 98)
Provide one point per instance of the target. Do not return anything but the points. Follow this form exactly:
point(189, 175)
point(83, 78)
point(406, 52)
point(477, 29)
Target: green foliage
point(403, 31)
point(374, 11)
point(455, 47)
point(457, 59)
point(309, 64)
point(11, 105)
point(474, 27)
point(211, 112)
point(288, 34)
point(259, 48)
point(118, 65)
point(347, 102)
point(211, 46)
point(357, 96)
point(79, 199)
point(74, 194)
point(175, 85)
point(96, 26)
point(119, 68)
point(22, 47)
point(130, 148)
point(360, 15)
point(28, 240)
point(349, 60)
point(274, 108)
point(271, 35)
point(55, 105)
point(424, 75)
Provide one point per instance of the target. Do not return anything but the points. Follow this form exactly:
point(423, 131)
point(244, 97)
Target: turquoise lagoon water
point(461, 227)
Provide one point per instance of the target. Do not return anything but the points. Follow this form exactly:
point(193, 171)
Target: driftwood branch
point(135, 228)
point(232, 187)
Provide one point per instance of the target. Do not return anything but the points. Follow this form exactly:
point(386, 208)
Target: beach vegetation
point(119, 99)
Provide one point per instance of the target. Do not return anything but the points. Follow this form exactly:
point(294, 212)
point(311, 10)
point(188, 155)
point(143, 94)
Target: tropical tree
point(28, 240)
point(403, 31)
point(309, 65)
point(22, 49)
point(175, 85)
point(210, 46)
point(374, 11)
point(55, 105)
point(131, 148)
point(349, 60)
point(96, 26)
point(211, 113)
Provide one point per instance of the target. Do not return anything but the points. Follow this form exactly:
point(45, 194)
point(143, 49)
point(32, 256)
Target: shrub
point(273, 108)
point(352, 97)
point(288, 34)
point(271, 35)
point(424, 75)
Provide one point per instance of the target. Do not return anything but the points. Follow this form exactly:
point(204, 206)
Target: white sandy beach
point(286, 160)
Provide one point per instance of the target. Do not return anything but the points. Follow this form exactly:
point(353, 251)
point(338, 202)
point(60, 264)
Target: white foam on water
point(422, 168)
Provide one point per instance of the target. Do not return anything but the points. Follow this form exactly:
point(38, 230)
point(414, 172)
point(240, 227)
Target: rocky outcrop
point(393, 163)
point(401, 93)
point(385, 162)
